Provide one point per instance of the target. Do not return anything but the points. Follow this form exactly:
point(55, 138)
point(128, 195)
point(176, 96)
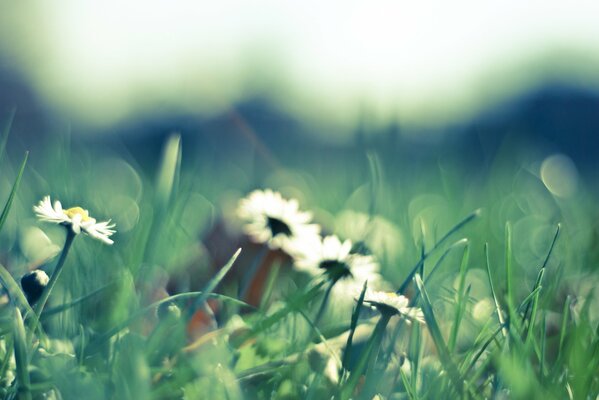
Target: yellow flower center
point(71, 212)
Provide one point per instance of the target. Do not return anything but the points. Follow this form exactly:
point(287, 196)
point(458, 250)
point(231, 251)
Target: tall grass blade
point(564, 325)
point(21, 358)
point(422, 247)
point(293, 303)
point(376, 176)
point(6, 132)
point(410, 391)
point(320, 336)
point(462, 300)
point(14, 290)
point(366, 358)
point(535, 306)
point(481, 351)
point(169, 170)
point(543, 344)
point(352, 330)
point(177, 297)
point(540, 275)
point(453, 246)
point(415, 350)
point(13, 191)
point(508, 269)
point(470, 217)
point(9, 348)
point(435, 331)
point(64, 307)
point(213, 283)
point(494, 293)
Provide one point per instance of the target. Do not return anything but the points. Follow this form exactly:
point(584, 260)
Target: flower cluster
point(280, 224)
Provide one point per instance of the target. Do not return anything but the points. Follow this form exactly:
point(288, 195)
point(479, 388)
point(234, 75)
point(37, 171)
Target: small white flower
point(334, 258)
point(275, 221)
point(76, 218)
point(393, 303)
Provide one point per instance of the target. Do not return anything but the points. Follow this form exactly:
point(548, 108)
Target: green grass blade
point(153, 306)
point(540, 275)
point(295, 302)
point(494, 293)
point(410, 391)
point(64, 307)
point(470, 217)
point(21, 358)
point(435, 331)
point(564, 325)
point(9, 344)
point(543, 345)
point(169, 170)
point(213, 283)
point(6, 132)
point(366, 358)
point(535, 306)
point(461, 300)
point(415, 351)
point(13, 191)
point(508, 269)
point(437, 265)
point(354, 324)
point(422, 247)
point(528, 299)
point(481, 351)
point(14, 290)
point(320, 336)
point(376, 176)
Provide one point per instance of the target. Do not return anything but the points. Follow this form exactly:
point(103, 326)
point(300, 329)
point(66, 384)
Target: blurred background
point(458, 105)
point(432, 68)
point(390, 120)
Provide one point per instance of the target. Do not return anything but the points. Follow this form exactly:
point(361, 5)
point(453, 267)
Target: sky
point(424, 62)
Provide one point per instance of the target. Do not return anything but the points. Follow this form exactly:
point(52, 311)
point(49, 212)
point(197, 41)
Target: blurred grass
point(168, 214)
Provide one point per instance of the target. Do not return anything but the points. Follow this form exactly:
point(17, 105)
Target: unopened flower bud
point(33, 284)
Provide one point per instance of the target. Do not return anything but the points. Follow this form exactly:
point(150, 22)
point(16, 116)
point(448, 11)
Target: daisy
point(274, 220)
point(76, 218)
point(335, 259)
point(392, 303)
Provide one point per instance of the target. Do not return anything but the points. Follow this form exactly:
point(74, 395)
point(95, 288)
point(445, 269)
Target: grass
point(508, 295)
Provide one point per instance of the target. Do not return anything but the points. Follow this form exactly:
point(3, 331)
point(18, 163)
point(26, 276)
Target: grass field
point(503, 271)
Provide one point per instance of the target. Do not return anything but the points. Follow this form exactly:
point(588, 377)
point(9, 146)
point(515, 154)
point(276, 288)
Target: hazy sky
point(421, 61)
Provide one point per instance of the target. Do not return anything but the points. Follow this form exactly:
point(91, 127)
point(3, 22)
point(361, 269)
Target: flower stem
point(41, 303)
point(325, 301)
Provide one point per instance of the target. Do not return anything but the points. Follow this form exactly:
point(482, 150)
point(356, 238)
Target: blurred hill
point(555, 117)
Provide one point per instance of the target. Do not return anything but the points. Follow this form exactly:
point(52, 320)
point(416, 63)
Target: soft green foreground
point(101, 337)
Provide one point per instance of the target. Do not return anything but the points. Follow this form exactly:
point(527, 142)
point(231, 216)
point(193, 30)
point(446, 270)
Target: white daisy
point(76, 218)
point(276, 221)
point(334, 258)
point(391, 302)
